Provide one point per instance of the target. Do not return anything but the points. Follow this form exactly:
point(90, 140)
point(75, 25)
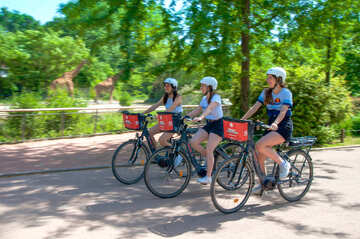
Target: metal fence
point(20, 125)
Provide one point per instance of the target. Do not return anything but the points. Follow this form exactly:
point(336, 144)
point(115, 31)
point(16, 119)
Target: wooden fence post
point(62, 123)
point(23, 126)
point(342, 135)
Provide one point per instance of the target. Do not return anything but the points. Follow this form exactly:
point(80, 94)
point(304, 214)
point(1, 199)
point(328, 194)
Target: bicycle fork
point(134, 153)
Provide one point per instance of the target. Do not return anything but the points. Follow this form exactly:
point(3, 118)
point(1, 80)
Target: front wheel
point(232, 150)
point(298, 183)
point(236, 177)
point(166, 173)
point(128, 162)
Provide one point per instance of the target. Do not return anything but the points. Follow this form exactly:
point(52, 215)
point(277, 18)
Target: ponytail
point(212, 93)
point(268, 91)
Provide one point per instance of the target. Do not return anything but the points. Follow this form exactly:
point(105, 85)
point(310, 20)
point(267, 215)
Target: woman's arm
point(252, 110)
point(176, 103)
point(207, 111)
point(280, 117)
point(196, 111)
point(154, 106)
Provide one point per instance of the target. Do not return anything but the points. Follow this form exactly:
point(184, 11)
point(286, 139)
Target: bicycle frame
point(145, 134)
point(140, 141)
point(269, 181)
point(184, 141)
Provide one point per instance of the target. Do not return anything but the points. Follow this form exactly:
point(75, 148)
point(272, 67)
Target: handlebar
point(150, 116)
point(186, 117)
point(260, 124)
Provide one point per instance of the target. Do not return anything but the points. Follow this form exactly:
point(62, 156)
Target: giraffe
point(107, 85)
point(66, 79)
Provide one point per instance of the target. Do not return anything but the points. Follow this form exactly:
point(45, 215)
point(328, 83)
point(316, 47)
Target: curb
point(335, 148)
point(26, 173)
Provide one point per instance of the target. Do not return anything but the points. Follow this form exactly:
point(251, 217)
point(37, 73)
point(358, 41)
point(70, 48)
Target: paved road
point(92, 204)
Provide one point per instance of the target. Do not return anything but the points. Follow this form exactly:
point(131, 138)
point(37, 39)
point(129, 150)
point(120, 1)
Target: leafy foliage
point(35, 58)
point(317, 42)
point(15, 21)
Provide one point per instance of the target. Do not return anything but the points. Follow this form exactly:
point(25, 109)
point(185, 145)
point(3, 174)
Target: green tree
point(35, 58)
point(323, 27)
point(12, 21)
point(221, 37)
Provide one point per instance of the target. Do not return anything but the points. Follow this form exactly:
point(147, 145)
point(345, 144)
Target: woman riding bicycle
point(172, 102)
point(278, 102)
point(211, 109)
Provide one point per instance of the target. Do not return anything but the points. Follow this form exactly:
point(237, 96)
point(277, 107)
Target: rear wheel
point(236, 182)
point(128, 162)
point(162, 177)
point(298, 183)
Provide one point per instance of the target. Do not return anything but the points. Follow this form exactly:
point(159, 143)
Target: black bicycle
point(130, 157)
point(238, 172)
point(169, 169)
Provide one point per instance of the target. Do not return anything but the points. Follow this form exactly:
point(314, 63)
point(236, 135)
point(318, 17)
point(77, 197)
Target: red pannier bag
point(134, 121)
point(169, 121)
point(238, 130)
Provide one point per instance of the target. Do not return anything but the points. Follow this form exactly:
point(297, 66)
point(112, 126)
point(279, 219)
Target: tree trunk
point(328, 61)
point(245, 50)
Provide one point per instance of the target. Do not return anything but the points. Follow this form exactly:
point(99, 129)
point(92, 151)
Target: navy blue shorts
point(215, 127)
point(285, 128)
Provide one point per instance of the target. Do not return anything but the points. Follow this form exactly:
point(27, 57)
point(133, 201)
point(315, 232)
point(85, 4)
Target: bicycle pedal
point(202, 172)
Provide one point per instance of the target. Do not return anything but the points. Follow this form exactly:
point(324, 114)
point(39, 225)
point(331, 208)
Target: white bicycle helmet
point(277, 71)
point(209, 80)
point(172, 82)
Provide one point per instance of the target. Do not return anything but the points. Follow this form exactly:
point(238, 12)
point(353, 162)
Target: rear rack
point(302, 141)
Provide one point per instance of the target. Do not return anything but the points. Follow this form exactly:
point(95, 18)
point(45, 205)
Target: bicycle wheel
point(162, 178)
point(300, 176)
point(232, 149)
point(128, 162)
point(232, 197)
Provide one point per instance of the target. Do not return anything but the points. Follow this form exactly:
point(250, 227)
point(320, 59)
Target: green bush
point(61, 99)
point(109, 122)
point(24, 124)
point(125, 99)
point(318, 108)
point(356, 125)
point(39, 124)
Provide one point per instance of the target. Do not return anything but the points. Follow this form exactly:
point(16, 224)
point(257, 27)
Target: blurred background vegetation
point(236, 41)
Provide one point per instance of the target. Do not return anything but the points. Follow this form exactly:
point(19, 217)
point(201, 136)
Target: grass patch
point(349, 140)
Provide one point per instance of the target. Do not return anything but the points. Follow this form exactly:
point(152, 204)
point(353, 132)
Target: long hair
point(268, 91)
point(166, 95)
point(212, 93)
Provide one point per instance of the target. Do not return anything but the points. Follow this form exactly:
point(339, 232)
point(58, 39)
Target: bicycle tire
point(162, 178)
point(232, 198)
point(129, 170)
point(233, 149)
point(300, 176)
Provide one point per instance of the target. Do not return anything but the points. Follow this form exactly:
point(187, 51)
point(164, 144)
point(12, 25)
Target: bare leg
point(164, 139)
point(154, 130)
point(213, 142)
point(264, 148)
point(199, 137)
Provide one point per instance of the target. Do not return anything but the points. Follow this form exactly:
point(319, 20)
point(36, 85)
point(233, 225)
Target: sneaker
point(256, 190)
point(178, 161)
point(284, 169)
point(204, 180)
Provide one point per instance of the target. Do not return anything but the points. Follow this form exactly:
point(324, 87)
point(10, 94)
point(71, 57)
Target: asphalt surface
point(92, 204)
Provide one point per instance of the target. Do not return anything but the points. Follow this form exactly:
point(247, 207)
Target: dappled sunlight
point(93, 201)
